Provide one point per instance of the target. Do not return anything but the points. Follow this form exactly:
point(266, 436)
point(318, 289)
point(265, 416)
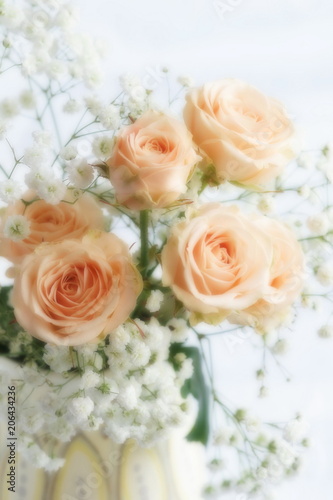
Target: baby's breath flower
point(58, 358)
point(17, 227)
point(318, 224)
point(68, 153)
point(42, 138)
point(128, 81)
point(10, 191)
point(9, 108)
point(72, 106)
point(27, 99)
point(52, 190)
point(103, 146)
point(109, 117)
point(80, 408)
point(37, 156)
point(179, 329)
point(186, 81)
point(266, 204)
point(280, 347)
point(89, 379)
point(324, 274)
point(154, 301)
point(326, 332)
point(80, 173)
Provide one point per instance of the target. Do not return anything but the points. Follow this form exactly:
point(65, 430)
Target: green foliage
point(14, 342)
point(196, 386)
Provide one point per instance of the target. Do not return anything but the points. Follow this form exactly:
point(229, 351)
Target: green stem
point(144, 258)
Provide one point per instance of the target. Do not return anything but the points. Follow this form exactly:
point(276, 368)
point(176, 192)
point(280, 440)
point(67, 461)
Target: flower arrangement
point(134, 236)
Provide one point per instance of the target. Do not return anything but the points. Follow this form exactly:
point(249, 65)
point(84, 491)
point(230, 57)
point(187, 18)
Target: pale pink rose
point(49, 223)
point(246, 135)
point(76, 291)
point(152, 162)
point(217, 262)
point(286, 280)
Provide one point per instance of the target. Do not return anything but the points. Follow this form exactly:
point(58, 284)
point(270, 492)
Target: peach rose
point(217, 262)
point(286, 280)
point(49, 223)
point(246, 135)
point(76, 291)
point(152, 161)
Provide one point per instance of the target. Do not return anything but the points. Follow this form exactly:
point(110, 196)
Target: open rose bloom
point(152, 162)
point(76, 291)
point(49, 223)
point(222, 262)
point(247, 136)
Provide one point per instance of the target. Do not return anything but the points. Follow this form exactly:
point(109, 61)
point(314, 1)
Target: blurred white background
point(285, 48)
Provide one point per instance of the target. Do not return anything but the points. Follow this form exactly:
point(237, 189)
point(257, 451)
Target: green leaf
point(196, 386)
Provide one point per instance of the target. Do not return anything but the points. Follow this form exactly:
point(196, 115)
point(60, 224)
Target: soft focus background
point(285, 48)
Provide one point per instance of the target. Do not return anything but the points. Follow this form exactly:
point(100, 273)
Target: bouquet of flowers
point(137, 230)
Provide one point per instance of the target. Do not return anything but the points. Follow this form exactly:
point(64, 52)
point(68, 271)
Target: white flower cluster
point(134, 393)
point(46, 35)
point(137, 96)
point(277, 455)
point(41, 177)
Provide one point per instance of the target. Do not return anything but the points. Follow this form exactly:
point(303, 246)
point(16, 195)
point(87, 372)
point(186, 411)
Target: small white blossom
point(324, 274)
point(223, 436)
point(10, 191)
point(80, 408)
point(80, 173)
point(52, 191)
point(262, 472)
point(109, 117)
point(94, 105)
point(186, 370)
point(27, 99)
point(11, 16)
point(72, 106)
point(326, 332)
point(128, 81)
point(68, 153)
point(58, 358)
point(154, 301)
point(186, 81)
point(42, 138)
point(281, 347)
point(274, 469)
point(318, 224)
point(140, 353)
point(285, 452)
point(89, 379)
point(295, 430)
point(304, 191)
point(306, 160)
point(36, 156)
point(263, 392)
point(119, 338)
point(9, 108)
point(31, 421)
point(17, 227)
point(103, 146)
point(37, 176)
point(266, 204)
point(252, 423)
point(128, 396)
point(179, 329)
